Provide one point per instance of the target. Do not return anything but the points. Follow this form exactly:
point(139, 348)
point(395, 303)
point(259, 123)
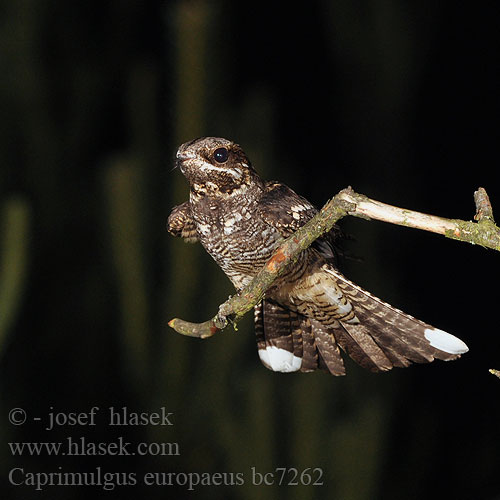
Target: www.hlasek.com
point(82, 447)
point(281, 476)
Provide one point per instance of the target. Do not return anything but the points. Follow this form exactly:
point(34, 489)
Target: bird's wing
point(286, 211)
point(180, 223)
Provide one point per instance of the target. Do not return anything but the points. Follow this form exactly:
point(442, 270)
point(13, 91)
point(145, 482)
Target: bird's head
point(215, 166)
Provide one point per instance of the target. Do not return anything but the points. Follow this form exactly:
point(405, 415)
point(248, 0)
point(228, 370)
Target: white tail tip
point(279, 360)
point(445, 342)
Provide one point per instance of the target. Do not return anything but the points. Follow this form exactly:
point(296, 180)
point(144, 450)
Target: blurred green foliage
point(13, 263)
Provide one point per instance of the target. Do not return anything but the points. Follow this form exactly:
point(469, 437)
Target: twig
point(483, 205)
point(484, 232)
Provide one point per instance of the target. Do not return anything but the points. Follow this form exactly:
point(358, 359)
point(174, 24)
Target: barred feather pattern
point(323, 310)
point(401, 336)
point(180, 223)
point(284, 339)
point(375, 334)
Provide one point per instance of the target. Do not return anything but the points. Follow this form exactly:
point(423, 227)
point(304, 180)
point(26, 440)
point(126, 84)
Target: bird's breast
point(239, 242)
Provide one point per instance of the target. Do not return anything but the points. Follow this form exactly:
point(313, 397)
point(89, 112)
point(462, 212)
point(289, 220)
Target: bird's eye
point(221, 155)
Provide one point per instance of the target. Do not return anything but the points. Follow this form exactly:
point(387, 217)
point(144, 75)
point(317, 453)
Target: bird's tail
point(381, 336)
point(378, 337)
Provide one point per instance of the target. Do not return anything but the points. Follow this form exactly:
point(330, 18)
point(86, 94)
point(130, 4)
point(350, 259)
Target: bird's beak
point(183, 156)
point(180, 158)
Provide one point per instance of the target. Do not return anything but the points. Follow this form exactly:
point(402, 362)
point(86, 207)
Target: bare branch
point(366, 208)
point(484, 232)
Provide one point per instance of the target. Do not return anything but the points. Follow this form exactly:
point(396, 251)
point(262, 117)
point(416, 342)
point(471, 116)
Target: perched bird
point(312, 309)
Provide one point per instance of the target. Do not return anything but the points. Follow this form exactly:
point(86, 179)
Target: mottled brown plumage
point(312, 309)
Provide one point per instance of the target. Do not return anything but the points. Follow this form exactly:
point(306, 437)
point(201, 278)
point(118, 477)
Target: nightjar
point(312, 311)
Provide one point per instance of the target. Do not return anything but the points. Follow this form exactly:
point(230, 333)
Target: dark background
point(398, 99)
